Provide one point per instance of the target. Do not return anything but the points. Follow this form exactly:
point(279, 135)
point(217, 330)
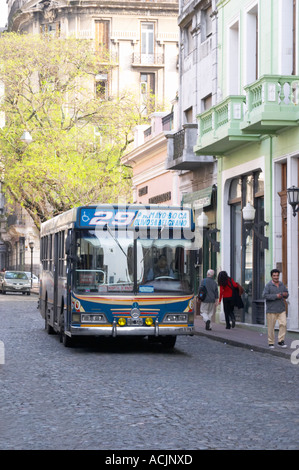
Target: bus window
point(104, 263)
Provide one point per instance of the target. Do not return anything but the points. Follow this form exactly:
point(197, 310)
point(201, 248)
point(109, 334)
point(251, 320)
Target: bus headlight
point(149, 321)
point(121, 321)
point(176, 318)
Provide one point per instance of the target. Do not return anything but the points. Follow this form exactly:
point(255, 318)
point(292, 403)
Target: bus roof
point(129, 217)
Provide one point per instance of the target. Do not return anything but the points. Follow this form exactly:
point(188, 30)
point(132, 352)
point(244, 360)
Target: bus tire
point(168, 341)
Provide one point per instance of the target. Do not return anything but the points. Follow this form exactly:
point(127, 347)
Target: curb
point(233, 342)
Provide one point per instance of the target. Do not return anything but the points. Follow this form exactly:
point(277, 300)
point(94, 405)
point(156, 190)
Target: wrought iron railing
point(178, 144)
point(147, 59)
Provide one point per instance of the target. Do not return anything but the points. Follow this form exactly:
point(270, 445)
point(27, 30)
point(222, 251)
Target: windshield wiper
point(116, 241)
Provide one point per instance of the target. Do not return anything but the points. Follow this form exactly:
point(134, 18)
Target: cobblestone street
point(118, 396)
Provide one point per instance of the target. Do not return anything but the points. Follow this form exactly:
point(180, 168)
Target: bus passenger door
point(55, 278)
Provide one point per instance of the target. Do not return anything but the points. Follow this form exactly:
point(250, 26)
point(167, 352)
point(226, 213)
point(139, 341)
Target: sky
point(3, 13)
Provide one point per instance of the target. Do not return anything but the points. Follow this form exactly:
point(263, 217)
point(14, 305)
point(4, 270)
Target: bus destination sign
point(131, 218)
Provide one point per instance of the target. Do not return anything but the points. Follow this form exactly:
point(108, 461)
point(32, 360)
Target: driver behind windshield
point(160, 269)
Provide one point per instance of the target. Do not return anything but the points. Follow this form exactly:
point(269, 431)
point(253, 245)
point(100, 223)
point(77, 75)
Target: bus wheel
point(168, 341)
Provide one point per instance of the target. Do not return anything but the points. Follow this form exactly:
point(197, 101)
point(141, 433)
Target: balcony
point(180, 154)
point(272, 104)
point(147, 60)
point(220, 128)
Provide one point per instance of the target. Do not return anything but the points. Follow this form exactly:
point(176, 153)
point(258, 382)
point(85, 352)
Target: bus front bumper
point(116, 330)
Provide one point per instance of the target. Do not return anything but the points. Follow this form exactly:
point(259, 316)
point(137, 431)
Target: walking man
point(275, 293)
point(207, 306)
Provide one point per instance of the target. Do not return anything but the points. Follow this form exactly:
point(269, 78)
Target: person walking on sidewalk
point(207, 306)
point(275, 294)
point(226, 293)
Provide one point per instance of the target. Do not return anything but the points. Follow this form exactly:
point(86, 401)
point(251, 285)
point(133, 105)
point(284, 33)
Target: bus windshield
point(105, 262)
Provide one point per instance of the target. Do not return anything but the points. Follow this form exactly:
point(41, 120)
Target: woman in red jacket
point(226, 293)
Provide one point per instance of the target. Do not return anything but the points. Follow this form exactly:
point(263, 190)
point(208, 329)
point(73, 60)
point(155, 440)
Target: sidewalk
point(245, 336)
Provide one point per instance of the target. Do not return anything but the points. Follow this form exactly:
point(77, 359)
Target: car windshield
point(15, 275)
point(105, 263)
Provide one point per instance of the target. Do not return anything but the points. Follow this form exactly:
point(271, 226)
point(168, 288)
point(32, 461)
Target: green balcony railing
point(272, 103)
point(219, 127)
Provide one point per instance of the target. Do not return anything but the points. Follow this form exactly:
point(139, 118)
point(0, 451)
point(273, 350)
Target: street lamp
point(31, 245)
point(293, 198)
point(248, 213)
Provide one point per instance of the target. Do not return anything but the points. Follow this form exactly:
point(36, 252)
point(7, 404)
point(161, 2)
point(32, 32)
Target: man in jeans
point(207, 306)
point(275, 293)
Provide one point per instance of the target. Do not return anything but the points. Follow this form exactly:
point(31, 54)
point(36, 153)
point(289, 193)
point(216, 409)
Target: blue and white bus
point(111, 270)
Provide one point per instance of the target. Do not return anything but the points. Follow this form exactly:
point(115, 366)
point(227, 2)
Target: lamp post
point(248, 213)
point(293, 199)
point(31, 245)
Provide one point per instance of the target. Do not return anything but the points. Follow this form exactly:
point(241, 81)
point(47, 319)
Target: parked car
point(35, 279)
point(14, 281)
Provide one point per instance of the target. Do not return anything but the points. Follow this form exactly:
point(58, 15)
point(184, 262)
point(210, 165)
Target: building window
point(188, 40)
point(251, 55)
point(51, 28)
point(142, 191)
point(147, 91)
point(147, 38)
point(101, 85)
point(206, 102)
point(160, 198)
point(206, 24)
point(294, 37)
point(188, 115)
point(233, 59)
point(102, 38)
point(288, 37)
